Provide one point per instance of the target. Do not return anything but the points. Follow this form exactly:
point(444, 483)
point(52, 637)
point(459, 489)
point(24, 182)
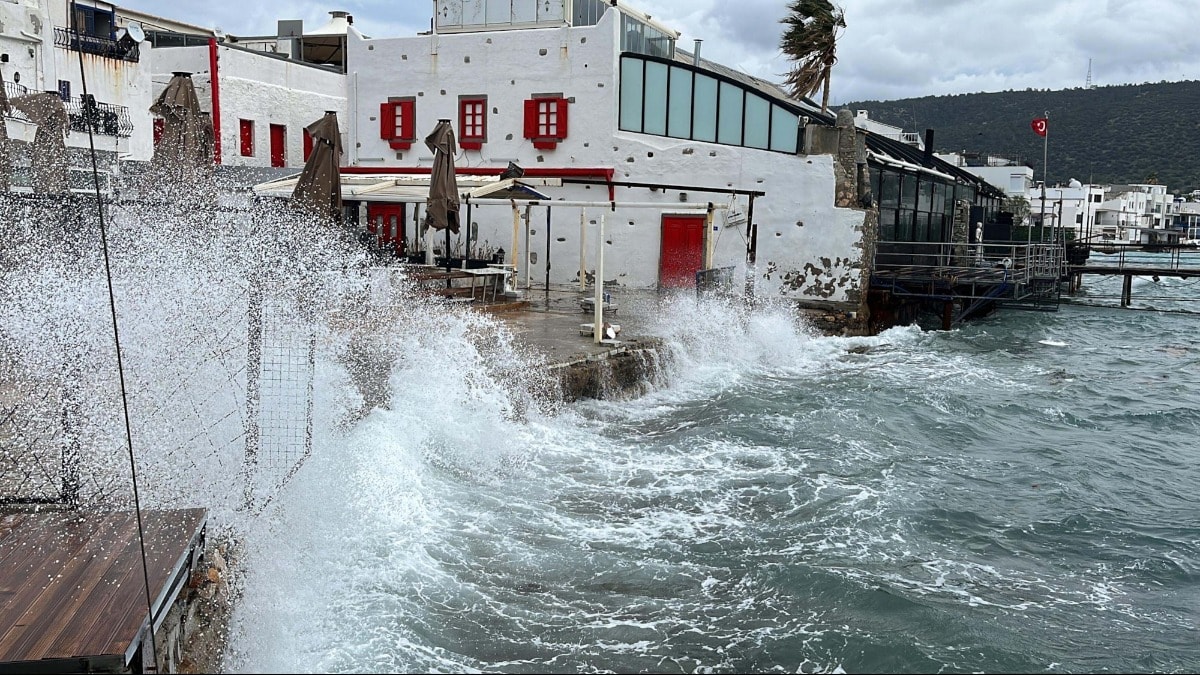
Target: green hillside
point(1114, 134)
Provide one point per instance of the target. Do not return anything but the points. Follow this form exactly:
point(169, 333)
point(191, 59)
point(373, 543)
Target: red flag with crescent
point(1039, 126)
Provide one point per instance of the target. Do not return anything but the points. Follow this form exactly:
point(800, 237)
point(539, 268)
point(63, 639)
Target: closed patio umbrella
point(48, 156)
point(181, 149)
point(443, 185)
point(5, 148)
point(319, 189)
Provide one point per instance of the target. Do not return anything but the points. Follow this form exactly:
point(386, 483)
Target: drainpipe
point(215, 86)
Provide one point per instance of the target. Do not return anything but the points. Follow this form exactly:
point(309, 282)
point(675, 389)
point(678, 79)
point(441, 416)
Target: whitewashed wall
point(798, 225)
point(27, 36)
point(261, 88)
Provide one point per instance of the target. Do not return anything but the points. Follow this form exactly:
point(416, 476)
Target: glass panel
point(631, 94)
point(526, 11)
point(925, 197)
point(887, 224)
point(631, 35)
point(704, 123)
point(729, 118)
point(679, 122)
point(549, 11)
point(758, 122)
point(922, 233)
point(950, 198)
point(889, 196)
point(908, 192)
point(939, 198)
point(785, 130)
point(499, 11)
point(655, 119)
point(905, 230)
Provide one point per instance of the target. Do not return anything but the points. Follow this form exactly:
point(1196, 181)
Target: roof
point(414, 188)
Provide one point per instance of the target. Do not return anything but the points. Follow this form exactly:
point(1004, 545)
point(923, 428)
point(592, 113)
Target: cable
point(112, 304)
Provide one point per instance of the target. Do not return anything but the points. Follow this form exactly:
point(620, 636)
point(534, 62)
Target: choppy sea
point(1020, 494)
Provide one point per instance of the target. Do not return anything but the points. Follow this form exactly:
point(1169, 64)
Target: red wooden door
point(386, 221)
point(682, 251)
point(278, 143)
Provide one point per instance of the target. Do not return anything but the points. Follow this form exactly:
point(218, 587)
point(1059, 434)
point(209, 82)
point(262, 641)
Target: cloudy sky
point(890, 49)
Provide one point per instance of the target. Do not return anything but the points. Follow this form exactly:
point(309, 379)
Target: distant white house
point(1007, 174)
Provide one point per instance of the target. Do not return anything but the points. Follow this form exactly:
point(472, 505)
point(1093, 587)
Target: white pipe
point(515, 242)
point(598, 313)
point(709, 240)
point(582, 250)
point(665, 207)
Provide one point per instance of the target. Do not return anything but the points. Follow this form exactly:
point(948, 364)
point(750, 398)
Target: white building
point(1007, 174)
point(1075, 207)
point(259, 97)
point(77, 49)
point(1134, 207)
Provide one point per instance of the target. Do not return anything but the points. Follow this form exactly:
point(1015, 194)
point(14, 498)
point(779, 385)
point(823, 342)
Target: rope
point(112, 304)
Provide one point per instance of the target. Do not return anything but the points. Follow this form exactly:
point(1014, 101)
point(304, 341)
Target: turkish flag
point(1039, 126)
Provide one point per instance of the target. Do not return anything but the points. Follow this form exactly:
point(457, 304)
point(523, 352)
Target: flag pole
point(1045, 147)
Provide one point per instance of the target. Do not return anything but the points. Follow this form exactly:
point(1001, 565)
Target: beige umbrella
point(5, 147)
point(181, 150)
point(443, 185)
point(319, 189)
point(48, 156)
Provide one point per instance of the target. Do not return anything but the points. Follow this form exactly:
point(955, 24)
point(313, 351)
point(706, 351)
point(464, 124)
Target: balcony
point(106, 119)
point(106, 47)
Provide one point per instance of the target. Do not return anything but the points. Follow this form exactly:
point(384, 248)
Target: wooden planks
point(72, 584)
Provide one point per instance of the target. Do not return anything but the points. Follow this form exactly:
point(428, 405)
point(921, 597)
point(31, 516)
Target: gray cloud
point(890, 48)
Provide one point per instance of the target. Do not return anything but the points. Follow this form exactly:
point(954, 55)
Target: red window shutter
point(307, 144)
point(562, 118)
point(531, 118)
point(387, 120)
point(159, 125)
point(408, 125)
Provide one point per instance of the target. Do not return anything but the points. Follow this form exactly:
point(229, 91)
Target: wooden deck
point(72, 596)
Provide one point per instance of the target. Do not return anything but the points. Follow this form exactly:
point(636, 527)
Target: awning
point(415, 188)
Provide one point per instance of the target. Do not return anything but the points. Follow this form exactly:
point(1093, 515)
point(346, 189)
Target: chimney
point(929, 147)
point(696, 51)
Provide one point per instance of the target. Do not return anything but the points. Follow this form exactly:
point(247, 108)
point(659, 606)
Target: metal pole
point(582, 250)
point(598, 313)
point(548, 209)
point(709, 239)
point(528, 219)
point(515, 241)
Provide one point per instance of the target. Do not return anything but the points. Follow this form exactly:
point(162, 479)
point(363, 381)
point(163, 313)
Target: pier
point(1131, 260)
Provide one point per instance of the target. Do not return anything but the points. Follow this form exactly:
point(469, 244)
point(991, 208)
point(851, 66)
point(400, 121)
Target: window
point(246, 133)
point(472, 122)
point(546, 121)
point(308, 144)
point(397, 121)
point(94, 21)
point(64, 90)
point(159, 125)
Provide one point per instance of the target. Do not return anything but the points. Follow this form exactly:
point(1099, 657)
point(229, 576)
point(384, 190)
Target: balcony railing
point(91, 44)
point(106, 119)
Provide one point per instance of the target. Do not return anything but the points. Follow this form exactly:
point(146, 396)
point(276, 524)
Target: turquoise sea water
point(1016, 495)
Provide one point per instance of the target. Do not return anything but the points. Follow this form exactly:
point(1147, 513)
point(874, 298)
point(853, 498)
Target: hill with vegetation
point(1138, 133)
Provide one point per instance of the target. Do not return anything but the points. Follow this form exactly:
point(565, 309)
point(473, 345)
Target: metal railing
point(1024, 262)
point(106, 118)
point(100, 46)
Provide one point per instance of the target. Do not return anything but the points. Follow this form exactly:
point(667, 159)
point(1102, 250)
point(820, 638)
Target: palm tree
point(810, 42)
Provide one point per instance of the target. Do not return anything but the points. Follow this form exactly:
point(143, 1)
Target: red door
point(386, 222)
point(278, 143)
point(682, 252)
